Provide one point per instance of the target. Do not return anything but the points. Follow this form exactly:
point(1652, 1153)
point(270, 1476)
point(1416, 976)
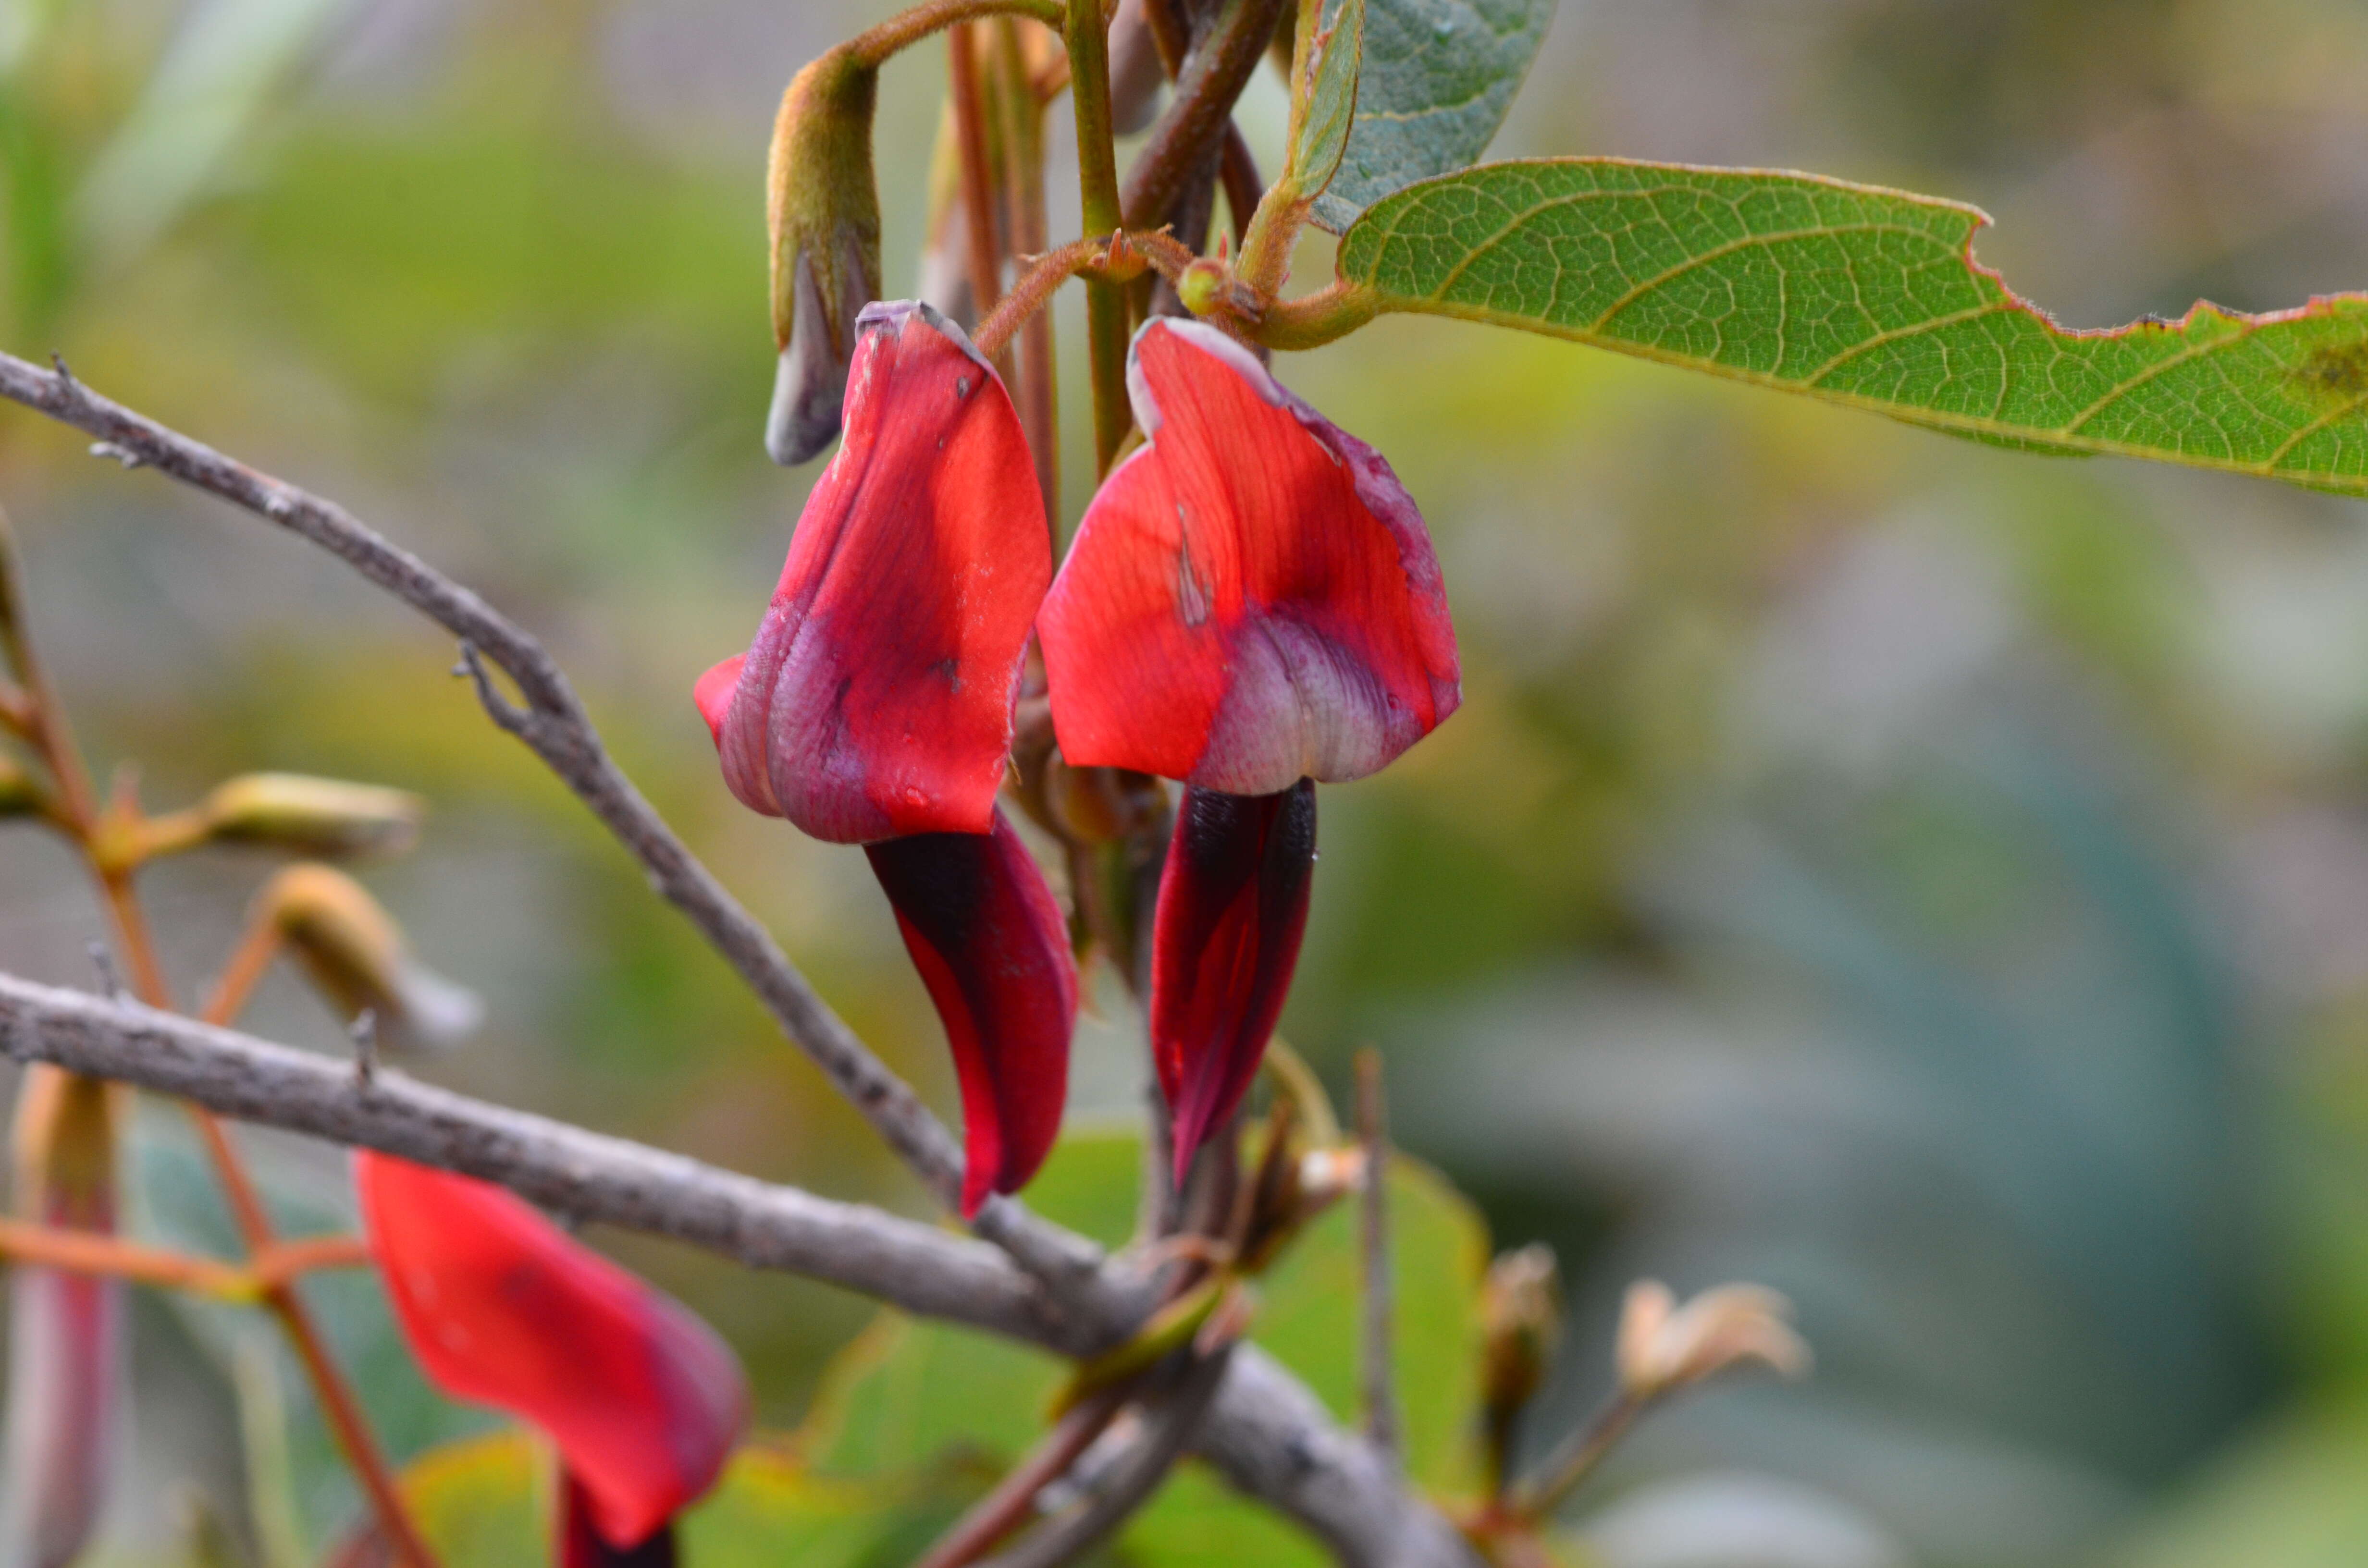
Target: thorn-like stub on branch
point(364, 1034)
point(504, 713)
point(111, 979)
point(123, 455)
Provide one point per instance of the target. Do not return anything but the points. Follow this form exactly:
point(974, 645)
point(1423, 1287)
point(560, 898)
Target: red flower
point(875, 706)
point(991, 946)
point(877, 698)
point(1252, 598)
point(502, 1307)
point(1251, 602)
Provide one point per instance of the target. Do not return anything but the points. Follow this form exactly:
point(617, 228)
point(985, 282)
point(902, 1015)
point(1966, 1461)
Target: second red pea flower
point(1251, 604)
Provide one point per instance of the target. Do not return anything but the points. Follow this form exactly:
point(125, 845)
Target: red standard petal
point(989, 941)
point(502, 1307)
point(876, 700)
point(1233, 904)
point(1252, 596)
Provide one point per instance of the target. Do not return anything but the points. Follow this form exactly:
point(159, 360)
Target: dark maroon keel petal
point(581, 1544)
point(992, 946)
point(1232, 906)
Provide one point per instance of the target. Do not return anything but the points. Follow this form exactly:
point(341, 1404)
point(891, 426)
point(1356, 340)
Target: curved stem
point(874, 46)
point(1315, 320)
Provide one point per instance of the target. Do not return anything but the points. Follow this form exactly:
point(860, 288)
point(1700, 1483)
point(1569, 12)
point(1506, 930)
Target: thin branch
point(1266, 1432)
point(909, 27)
point(93, 1252)
point(1373, 1346)
point(1575, 1458)
point(584, 1175)
point(554, 725)
point(1005, 1509)
point(1168, 1432)
point(1195, 122)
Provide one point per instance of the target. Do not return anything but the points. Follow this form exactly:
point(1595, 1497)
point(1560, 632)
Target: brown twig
point(1169, 1431)
point(1378, 1376)
point(1575, 1458)
point(93, 1252)
point(984, 227)
point(554, 724)
point(1023, 162)
point(1266, 1432)
point(908, 28)
point(1189, 131)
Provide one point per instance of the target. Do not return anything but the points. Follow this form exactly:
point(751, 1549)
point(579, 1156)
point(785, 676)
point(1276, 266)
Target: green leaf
point(1323, 97)
point(1869, 297)
point(1435, 79)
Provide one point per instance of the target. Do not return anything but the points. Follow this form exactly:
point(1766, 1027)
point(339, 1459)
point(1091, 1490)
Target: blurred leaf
point(1436, 78)
point(33, 249)
point(1869, 297)
point(226, 63)
point(2289, 1496)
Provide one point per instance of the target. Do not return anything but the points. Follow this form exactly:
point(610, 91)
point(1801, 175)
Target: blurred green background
point(1929, 879)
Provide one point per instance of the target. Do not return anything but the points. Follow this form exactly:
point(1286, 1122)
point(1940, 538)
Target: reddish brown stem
point(1005, 1509)
point(979, 205)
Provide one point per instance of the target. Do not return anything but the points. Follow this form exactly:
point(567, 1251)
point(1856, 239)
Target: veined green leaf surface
point(1866, 297)
point(1433, 82)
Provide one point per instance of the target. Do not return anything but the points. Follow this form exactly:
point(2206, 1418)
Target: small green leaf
point(1323, 97)
point(1433, 82)
point(1869, 297)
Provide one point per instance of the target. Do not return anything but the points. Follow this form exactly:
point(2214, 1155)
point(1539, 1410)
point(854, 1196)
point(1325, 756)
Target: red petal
point(989, 941)
point(1252, 596)
point(712, 695)
point(502, 1307)
point(580, 1542)
point(876, 700)
point(1233, 904)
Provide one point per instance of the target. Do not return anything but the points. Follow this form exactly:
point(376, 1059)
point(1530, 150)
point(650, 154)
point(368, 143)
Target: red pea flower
point(875, 706)
point(1252, 598)
point(502, 1307)
point(1251, 602)
point(877, 698)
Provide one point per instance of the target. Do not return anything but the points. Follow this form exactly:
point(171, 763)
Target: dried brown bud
point(1663, 1346)
point(1520, 1315)
point(823, 207)
point(355, 953)
point(324, 817)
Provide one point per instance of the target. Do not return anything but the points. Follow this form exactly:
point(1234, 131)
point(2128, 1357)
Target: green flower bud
point(355, 954)
point(1520, 1316)
point(324, 817)
point(823, 207)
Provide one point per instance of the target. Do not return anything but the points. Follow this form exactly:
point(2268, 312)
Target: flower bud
point(66, 1331)
point(21, 793)
point(324, 817)
point(822, 208)
point(1663, 1347)
point(355, 953)
point(1520, 1317)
